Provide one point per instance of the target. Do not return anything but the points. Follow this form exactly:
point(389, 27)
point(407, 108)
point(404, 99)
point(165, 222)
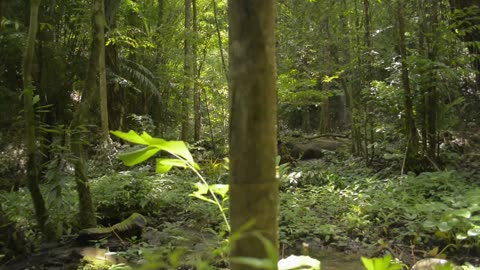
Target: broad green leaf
point(298, 262)
point(219, 189)
point(462, 213)
point(164, 165)
point(35, 99)
point(172, 162)
point(384, 263)
point(444, 226)
point(474, 232)
point(461, 236)
point(475, 218)
point(131, 136)
point(178, 148)
point(137, 156)
point(201, 187)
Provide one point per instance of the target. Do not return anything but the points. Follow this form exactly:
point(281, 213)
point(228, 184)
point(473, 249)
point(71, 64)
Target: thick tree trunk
point(41, 212)
point(410, 127)
point(253, 140)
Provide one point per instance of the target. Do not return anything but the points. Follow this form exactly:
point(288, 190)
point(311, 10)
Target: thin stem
point(217, 202)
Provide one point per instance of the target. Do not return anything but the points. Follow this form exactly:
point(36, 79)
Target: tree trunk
point(86, 207)
point(196, 75)
point(99, 25)
point(41, 212)
point(471, 32)
point(115, 95)
point(431, 95)
point(187, 70)
point(253, 140)
point(410, 127)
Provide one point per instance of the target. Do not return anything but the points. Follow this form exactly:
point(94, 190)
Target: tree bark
point(41, 212)
point(253, 140)
point(196, 75)
point(99, 32)
point(187, 70)
point(115, 95)
point(410, 127)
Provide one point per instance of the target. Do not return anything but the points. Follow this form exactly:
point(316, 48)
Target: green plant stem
point(217, 202)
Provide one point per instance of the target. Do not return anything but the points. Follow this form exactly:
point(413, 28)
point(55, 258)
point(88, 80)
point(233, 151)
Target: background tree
point(253, 185)
point(33, 171)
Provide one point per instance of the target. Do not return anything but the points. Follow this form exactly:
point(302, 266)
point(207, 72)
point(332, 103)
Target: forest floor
point(333, 208)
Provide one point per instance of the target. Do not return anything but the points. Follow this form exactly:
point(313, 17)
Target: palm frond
point(138, 77)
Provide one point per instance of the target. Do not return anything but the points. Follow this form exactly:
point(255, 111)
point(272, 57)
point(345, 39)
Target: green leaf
point(462, 213)
point(202, 189)
point(131, 136)
point(298, 262)
point(137, 156)
point(164, 165)
point(461, 236)
point(384, 263)
point(35, 99)
point(178, 148)
point(444, 226)
point(474, 232)
point(220, 189)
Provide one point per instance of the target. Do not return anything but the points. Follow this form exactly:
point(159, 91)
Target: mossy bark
point(33, 172)
point(253, 138)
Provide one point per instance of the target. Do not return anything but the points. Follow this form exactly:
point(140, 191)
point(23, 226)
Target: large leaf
point(137, 156)
point(164, 165)
point(202, 189)
point(474, 232)
point(220, 189)
point(384, 263)
point(131, 136)
point(178, 148)
point(298, 262)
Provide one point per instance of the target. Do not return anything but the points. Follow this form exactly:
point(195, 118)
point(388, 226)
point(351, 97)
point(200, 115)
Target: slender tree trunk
point(196, 76)
point(79, 138)
point(115, 95)
point(369, 121)
point(422, 50)
point(431, 96)
point(253, 140)
point(188, 75)
point(410, 127)
point(99, 25)
point(219, 37)
point(41, 212)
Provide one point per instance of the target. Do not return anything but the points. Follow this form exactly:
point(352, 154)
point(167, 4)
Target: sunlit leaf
point(220, 189)
point(474, 232)
point(131, 136)
point(164, 165)
point(462, 213)
point(298, 262)
point(444, 226)
point(137, 156)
